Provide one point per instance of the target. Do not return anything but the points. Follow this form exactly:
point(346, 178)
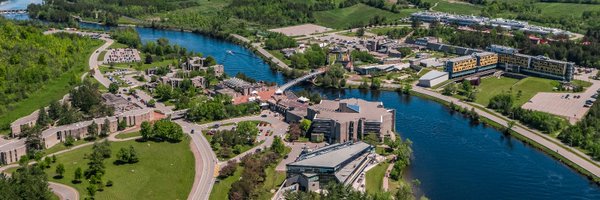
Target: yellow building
point(544, 64)
point(462, 63)
point(486, 59)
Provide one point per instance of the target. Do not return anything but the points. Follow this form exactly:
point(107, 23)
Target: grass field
point(117, 45)
point(455, 7)
point(51, 91)
point(357, 14)
point(280, 56)
point(566, 9)
point(529, 86)
point(165, 171)
point(128, 135)
point(221, 189)
point(374, 178)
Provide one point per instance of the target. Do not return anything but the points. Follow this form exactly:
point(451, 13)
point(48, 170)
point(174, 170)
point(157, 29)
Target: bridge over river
point(286, 86)
point(13, 11)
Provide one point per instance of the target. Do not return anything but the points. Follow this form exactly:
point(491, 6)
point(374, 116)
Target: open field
point(566, 9)
point(354, 15)
point(374, 178)
point(165, 171)
point(53, 90)
point(455, 7)
point(530, 86)
point(128, 135)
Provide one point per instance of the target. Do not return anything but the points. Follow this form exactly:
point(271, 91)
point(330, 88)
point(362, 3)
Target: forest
point(585, 134)
point(31, 62)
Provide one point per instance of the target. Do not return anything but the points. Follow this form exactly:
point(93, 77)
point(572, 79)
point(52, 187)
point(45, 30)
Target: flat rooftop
point(303, 29)
point(370, 111)
point(331, 156)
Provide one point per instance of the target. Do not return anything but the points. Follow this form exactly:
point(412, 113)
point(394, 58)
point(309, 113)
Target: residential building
point(341, 163)
point(350, 120)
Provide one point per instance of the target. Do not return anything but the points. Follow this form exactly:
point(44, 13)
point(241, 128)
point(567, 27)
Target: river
point(453, 159)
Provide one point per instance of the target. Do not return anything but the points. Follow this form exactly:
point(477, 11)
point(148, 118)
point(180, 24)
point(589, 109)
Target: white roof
point(433, 74)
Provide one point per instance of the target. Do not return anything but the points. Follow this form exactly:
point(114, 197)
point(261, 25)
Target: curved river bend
point(453, 158)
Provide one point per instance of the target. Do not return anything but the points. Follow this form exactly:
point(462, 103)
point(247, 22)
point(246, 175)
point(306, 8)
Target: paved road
point(94, 63)
point(262, 51)
point(63, 191)
point(206, 161)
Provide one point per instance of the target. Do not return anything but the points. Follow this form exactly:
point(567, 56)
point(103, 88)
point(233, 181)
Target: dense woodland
point(586, 133)
point(30, 61)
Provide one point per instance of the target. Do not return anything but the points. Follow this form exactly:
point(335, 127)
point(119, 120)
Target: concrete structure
point(370, 69)
point(350, 120)
point(290, 106)
point(433, 78)
point(341, 163)
point(24, 122)
point(509, 59)
point(12, 150)
point(198, 64)
point(465, 65)
point(466, 20)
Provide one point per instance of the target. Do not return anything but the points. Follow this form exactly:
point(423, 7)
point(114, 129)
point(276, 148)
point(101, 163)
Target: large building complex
point(511, 60)
point(470, 64)
point(350, 120)
point(341, 163)
point(11, 151)
point(465, 20)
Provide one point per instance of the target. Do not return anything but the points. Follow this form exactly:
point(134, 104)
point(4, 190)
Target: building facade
point(350, 120)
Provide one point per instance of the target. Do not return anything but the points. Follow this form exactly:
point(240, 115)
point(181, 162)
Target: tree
point(228, 169)
point(151, 103)
point(248, 130)
point(146, 130)
point(54, 110)
point(305, 125)
point(92, 130)
point(133, 157)
point(43, 118)
point(294, 132)
point(60, 170)
point(360, 32)
point(113, 88)
point(78, 175)
point(149, 59)
point(123, 156)
point(91, 189)
point(278, 146)
point(33, 142)
point(122, 124)
point(105, 128)
point(69, 141)
point(109, 183)
point(27, 182)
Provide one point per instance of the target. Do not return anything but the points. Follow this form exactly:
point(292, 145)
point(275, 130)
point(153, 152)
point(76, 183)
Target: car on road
point(216, 125)
point(263, 116)
point(192, 132)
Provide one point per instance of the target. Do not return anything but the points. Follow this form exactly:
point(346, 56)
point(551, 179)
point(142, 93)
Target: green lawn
point(61, 146)
point(128, 135)
point(357, 14)
point(273, 181)
point(566, 9)
point(374, 178)
point(529, 86)
point(101, 56)
point(221, 189)
point(455, 7)
point(280, 56)
point(165, 171)
point(51, 91)
point(117, 45)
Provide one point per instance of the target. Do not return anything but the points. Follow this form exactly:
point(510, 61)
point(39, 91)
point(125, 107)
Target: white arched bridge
point(286, 86)
point(13, 11)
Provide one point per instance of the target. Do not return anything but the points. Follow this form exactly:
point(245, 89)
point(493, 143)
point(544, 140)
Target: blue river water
point(453, 158)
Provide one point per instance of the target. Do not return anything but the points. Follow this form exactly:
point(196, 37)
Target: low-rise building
point(433, 78)
point(340, 163)
point(350, 120)
point(510, 60)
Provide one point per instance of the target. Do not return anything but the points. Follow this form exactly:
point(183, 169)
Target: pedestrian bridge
point(13, 11)
point(286, 86)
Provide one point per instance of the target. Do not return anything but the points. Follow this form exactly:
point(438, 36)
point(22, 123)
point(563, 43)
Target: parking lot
point(573, 109)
